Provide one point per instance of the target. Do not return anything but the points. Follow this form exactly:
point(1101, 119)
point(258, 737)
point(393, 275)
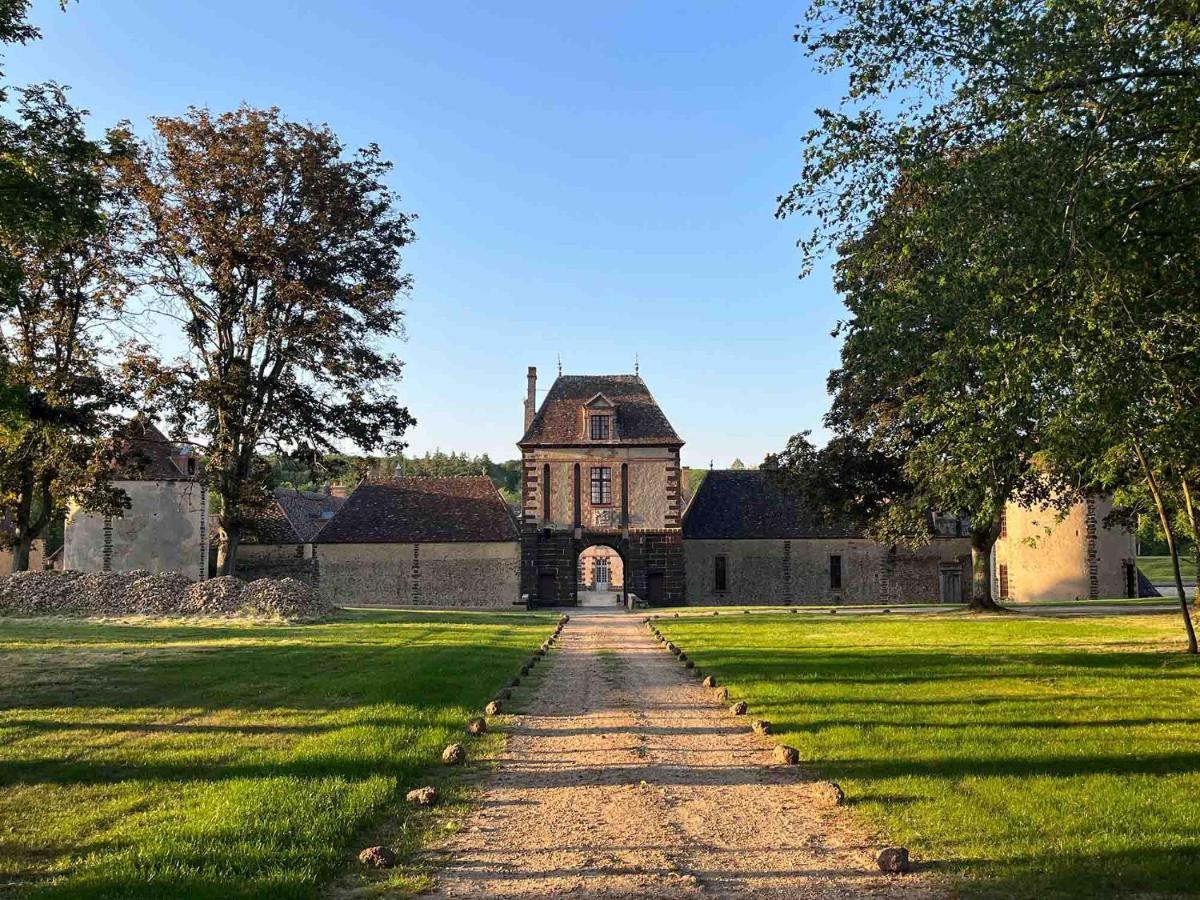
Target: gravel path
point(625, 778)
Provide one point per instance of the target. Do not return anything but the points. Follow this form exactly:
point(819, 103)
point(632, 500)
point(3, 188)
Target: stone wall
point(164, 530)
point(770, 572)
point(483, 574)
point(277, 561)
point(644, 555)
point(1043, 555)
point(37, 558)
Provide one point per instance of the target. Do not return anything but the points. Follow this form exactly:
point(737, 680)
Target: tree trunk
point(1191, 515)
point(982, 542)
point(227, 549)
point(22, 536)
point(1165, 521)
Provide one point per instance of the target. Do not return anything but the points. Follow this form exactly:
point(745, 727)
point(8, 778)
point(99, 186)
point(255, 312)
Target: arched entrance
point(600, 576)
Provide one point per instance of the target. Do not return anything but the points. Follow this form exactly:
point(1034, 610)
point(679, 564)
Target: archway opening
point(600, 576)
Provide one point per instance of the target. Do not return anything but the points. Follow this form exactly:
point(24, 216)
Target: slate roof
point(559, 421)
point(295, 517)
point(753, 504)
point(145, 454)
point(421, 509)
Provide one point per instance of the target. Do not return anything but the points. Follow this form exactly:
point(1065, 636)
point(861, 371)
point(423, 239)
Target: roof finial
point(560, 365)
point(637, 366)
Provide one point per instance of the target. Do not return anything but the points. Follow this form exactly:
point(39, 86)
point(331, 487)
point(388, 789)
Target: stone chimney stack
point(530, 396)
point(339, 490)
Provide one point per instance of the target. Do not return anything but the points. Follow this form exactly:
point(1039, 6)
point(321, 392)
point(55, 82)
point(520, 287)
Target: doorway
point(951, 578)
point(601, 576)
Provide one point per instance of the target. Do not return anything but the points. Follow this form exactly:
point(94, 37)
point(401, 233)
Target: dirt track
point(624, 778)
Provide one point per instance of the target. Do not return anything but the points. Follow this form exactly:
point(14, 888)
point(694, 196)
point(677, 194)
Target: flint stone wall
point(476, 574)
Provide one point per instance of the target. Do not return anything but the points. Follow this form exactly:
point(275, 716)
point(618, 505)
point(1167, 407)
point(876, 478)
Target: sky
point(595, 182)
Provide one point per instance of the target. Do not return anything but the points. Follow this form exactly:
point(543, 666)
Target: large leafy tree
point(281, 256)
point(63, 304)
point(1051, 147)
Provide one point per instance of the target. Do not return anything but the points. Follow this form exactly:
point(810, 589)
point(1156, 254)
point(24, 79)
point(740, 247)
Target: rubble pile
point(285, 598)
point(142, 593)
point(220, 596)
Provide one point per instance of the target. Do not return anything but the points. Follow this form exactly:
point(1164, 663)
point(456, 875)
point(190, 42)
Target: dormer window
point(600, 419)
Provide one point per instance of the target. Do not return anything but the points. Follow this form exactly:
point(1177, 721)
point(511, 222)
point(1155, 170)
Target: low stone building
point(1043, 554)
point(279, 542)
point(166, 527)
point(748, 540)
point(416, 541)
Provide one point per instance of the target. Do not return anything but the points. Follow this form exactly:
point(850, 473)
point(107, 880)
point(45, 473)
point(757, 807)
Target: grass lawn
point(230, 760)
point(1158, 569)
point(1036, 757)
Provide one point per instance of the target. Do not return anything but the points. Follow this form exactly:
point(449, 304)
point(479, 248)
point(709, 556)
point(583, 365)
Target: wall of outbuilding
point(277, 561)
point(164, 530)
point(427, 574)
point(797, 571)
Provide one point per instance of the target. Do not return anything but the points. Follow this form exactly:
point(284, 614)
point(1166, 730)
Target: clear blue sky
point(596, 181)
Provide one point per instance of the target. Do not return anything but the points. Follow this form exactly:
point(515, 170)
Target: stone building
point(279, 542)
point(748, 540)
point(166, 527)
point(600, 467)
point(1043, 554)
point(416, 541)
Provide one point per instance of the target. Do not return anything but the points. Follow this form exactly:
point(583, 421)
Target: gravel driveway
point(625, 778)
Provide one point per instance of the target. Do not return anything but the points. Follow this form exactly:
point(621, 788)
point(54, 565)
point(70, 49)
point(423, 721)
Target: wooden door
point(547, 587)
point(655, 588)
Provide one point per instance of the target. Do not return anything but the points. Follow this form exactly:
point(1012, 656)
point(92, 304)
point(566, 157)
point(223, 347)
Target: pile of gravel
point(220, 596)
point(142, 593)
point(284, 598)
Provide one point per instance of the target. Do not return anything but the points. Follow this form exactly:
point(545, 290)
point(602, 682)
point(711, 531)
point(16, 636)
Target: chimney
point(338, 490)
point(530, 396)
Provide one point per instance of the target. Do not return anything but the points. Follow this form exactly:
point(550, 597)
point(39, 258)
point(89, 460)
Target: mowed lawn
point(1035, 757)
point(1160, 570)
point(228, 760)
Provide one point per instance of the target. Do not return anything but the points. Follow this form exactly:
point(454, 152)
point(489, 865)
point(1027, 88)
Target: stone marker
point(493, 708)
point(785, 755)
point(722, 693)
point(687, 663)
point(454, 754)
point(894, 861)
point(739, 708)
point(514, 682)
point(682, 656)
point(709, 681)
point(422, 796)
point(761, 726)
point(377, 858)
point(831, 792)
point(477, 725)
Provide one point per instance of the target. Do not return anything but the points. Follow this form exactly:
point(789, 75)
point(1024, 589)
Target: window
point(721, 573)
point(600, 427)
point(835, 573)
point(1003, 523)
point(601, 485)
point(1004, 585)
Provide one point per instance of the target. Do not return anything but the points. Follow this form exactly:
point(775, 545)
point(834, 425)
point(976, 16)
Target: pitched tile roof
point(420, 509)
point(294, 517)
point(559, 421)
point(145, 454)
point(749, 504)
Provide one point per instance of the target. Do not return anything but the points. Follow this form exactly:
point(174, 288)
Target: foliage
point(1011, 188)
point(65, 297)
point(233, 760)
point(1074, 735)
point(280, 255)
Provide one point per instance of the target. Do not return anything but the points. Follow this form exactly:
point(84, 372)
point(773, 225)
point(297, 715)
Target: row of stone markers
point(456, 754)
point(891, 860)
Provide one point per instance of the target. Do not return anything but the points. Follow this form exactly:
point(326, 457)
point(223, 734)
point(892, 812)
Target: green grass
point(1032, 758)
point(1159, 570)
point(231, 760)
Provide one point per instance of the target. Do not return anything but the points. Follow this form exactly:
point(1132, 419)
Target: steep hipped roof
point(559, 421)
point(295, 517)
point(749, 504)
point(418, 509)
point(145, 454)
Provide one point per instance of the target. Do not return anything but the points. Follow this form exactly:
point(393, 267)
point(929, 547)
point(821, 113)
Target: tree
point(281, 256)
point(67, 295)
point(1050, 149)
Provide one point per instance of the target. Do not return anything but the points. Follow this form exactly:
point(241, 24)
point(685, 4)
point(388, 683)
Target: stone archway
point(600, 576)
